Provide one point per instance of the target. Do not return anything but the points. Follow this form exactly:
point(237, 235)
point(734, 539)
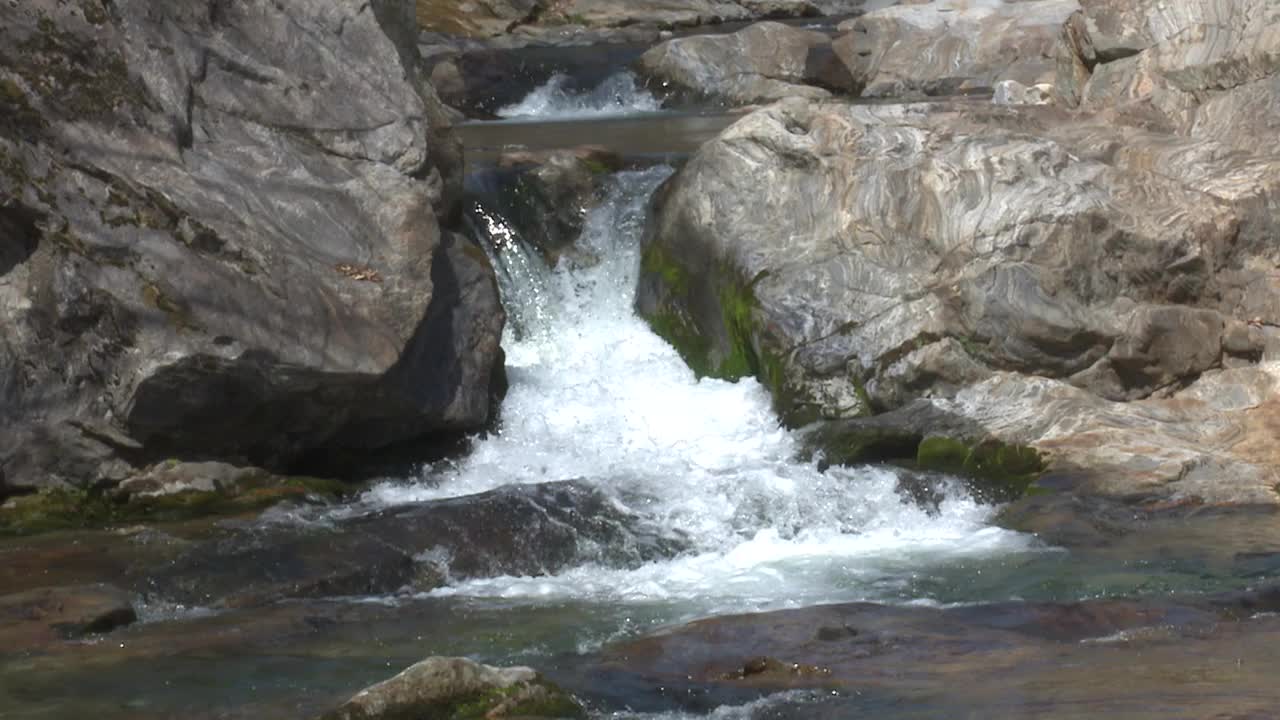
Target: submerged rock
point(515, 530)
point(225, 240)
point(43, 616)
point(458, 689)
point(865, 656)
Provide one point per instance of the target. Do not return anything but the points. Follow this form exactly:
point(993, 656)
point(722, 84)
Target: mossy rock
point(73, 509)
point(845, 444)
point(535, 700)
point(442, 688)
point(737, 358)
point(1002, 472)
point(713, 319)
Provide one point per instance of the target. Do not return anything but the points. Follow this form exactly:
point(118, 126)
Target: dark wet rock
point(761, 63)
point(229, 242)
point(944, 48)
point(459, 688)
point(547, 194)
point(42, 616)
point(482, 80)
point(514, 530)
point(977, 656)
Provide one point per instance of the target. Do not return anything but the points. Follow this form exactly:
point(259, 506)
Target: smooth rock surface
point(223, 239)
point(760, 63)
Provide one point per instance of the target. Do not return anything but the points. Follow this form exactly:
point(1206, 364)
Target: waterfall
point(595, 395)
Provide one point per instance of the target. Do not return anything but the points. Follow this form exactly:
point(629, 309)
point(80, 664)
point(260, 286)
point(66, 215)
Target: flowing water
point(620, 93)
point(596, 397)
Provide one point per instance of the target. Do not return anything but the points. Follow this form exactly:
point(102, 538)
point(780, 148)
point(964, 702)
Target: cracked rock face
point(223, 238)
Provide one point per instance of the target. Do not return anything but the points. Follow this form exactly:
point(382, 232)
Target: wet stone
point(34, 618)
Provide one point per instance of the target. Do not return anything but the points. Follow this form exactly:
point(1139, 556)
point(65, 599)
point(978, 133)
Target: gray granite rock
point(224, 239)
point(760, 63)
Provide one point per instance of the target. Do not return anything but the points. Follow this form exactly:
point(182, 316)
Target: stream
point(722, 518)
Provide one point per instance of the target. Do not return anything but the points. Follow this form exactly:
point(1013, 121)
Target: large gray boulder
point(1162, 58)
point(763, 62)
point(221, 232)
point(984, 272)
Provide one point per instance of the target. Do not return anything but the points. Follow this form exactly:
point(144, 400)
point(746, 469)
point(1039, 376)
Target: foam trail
point(619, 94)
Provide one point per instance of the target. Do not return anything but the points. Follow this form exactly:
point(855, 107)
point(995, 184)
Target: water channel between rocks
point(727, 520)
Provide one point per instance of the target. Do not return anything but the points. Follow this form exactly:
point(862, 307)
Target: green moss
point(543, 700)
point(94, 12)
point(679, 330)
point(655, 261)
point(68, 509)
point(1003, 472)
point(843, 444)
point(941, 453)
point(596, 166)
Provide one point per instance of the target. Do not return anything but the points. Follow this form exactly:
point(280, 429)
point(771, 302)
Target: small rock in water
point(443, 687)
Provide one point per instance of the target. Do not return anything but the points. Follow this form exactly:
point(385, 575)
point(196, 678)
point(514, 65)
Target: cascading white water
point(619, 94)
point(596, 395)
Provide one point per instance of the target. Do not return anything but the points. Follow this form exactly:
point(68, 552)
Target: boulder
point(855, 257)
point(1166, 56)
point(223, 240)
point(945, 47)
point(522, 530)
point(1203, 445)
point(760, 63)
point(446, 687)
point(944, 263)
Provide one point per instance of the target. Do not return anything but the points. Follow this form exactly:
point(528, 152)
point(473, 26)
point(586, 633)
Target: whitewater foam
point(618, 94)
point(596, 395)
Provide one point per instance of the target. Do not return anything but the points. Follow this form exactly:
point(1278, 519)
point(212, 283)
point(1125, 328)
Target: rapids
point(618, 94)
point(595, 395)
